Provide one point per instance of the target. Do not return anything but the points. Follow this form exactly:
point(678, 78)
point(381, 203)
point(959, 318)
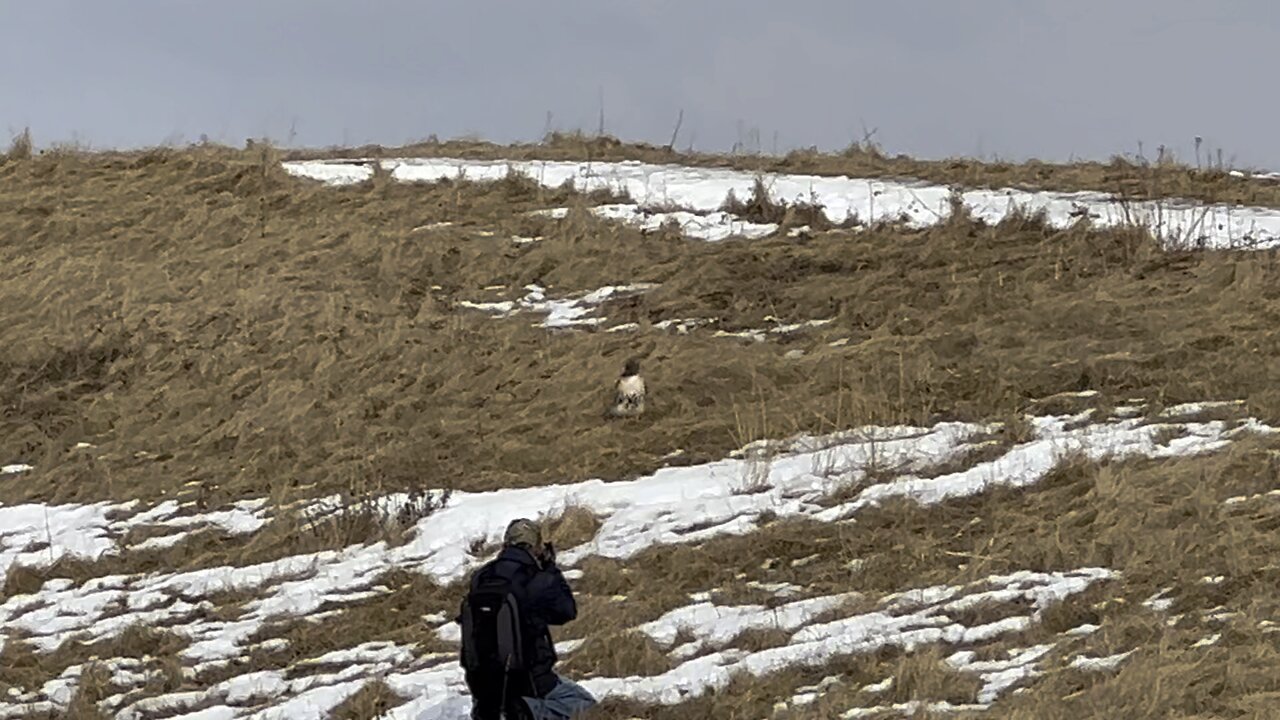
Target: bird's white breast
point(632, 386)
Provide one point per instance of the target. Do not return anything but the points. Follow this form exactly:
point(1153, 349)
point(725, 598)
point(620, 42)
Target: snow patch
point(562, 312)
point(1103, 664)
point(919, 204)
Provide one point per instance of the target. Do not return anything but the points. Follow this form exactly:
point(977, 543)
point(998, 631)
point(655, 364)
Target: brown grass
point(373, 700)
point(622, 653)
point(570, 527)
point(197, 315)
point(286, 364)
point(20, 148)
point(759, 207)
point(94, 687)
point(757, 639)
point(924, 676)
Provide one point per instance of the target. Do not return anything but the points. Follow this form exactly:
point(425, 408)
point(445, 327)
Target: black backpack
point(492, 637)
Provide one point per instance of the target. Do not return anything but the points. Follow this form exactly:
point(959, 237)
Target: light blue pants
point(564, 702)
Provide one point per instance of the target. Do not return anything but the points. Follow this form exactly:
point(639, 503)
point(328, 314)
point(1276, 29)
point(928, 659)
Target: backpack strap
point(510, 634)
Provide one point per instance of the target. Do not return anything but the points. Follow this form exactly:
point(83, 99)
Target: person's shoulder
point(488, 568)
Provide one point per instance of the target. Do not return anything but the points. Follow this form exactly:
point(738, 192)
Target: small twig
point(671, 146)
point(600, 128)
point(48, 534)
point(971, 556)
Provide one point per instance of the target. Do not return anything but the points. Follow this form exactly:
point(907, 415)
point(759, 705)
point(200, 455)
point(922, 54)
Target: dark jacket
point(545, 600)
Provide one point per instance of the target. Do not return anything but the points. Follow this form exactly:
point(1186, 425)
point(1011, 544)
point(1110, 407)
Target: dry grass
point(757, 639)
point(621, 653)
point(918, 676)
point(198, 315)
point(94, 687)
point(759, 207)
point(924, 676)
point(373, 700)
point(20, 148)
point(571, 526)
point(286, 363)
point(22, 667)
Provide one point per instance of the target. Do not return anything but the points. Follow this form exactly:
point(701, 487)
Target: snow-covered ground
point(797, 478)
point(711, 225)
point(558, 312)
point(1275, 176)
point(702, 191)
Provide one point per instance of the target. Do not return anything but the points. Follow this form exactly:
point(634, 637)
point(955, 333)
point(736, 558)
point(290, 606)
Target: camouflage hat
point(523, 531)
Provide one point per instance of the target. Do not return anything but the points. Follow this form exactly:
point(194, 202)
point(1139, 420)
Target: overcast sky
point(1008, 78)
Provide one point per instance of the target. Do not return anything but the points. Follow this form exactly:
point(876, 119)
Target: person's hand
point(548, 555)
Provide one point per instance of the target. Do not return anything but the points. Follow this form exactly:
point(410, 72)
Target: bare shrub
point(371, 517)
point(761, 207)
point(374, 700)
point(21, 147)
point(573, 525)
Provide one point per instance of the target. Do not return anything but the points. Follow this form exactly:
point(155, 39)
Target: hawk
point(628, 392)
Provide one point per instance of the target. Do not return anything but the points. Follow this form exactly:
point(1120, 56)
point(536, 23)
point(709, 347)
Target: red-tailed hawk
point(628, 392)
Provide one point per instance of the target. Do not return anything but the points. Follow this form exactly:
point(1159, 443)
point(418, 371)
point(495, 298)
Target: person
point(507, 653)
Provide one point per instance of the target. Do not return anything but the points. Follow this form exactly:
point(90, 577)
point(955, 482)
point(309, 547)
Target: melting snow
point(1159, 602)
point(1255, 175)
point(1109, 662)
point(711, 226)
point(999, 675)
point(564, 312)
point(911, 709)
point(716, 625)
point(703, 190)
point(1205, 642)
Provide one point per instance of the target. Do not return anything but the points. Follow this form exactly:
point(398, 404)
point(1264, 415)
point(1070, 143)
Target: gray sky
point(1013, 78)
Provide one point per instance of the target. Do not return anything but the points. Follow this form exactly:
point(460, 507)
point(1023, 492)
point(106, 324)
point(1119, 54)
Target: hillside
point(958, 438)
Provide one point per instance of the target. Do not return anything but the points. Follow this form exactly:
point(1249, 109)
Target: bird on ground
point(628, 392)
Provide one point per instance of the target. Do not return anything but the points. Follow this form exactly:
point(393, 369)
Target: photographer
point(507, 650)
